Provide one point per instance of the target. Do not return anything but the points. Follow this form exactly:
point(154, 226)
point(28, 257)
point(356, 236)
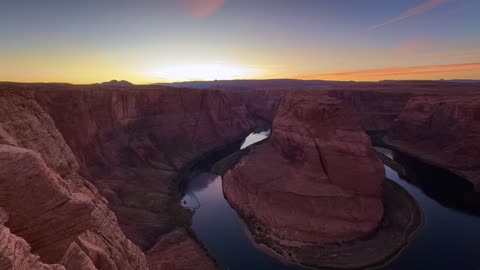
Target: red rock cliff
point(50, 207)
point(376, 109)
point(133, 142)
point(442, 130)
point(317, 179)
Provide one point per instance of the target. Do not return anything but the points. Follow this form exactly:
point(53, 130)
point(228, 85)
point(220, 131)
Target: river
point(449, 238)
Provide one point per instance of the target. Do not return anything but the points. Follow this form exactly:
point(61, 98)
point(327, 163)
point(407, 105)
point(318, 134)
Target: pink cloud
point(412, 12)
point(202, 8)
point(397, 71)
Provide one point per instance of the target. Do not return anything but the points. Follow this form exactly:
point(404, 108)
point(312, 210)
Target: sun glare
point(203, 72)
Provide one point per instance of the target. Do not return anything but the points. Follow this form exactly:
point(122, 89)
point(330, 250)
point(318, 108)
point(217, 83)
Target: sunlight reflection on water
point(255, 137)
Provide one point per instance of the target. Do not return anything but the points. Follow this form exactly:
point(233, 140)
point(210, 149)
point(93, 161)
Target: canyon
point(320, 160)
point(91, 174)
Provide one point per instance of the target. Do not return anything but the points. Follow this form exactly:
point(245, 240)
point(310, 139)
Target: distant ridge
point(117, 83)
point(257, 84)
point(431, 81)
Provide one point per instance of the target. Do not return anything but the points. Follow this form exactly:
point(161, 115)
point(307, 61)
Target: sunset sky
point(147, 41)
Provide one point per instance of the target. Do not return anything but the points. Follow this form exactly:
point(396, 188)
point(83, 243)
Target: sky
point(148, 41)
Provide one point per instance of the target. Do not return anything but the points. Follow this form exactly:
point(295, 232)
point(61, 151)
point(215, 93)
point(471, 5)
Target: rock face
point(130, 144)
point(442, 130)
point(133, 143)
point(377, 105)
point(182, 253)
point(262, 105)
point(56, 211)
point(377, 109)
point(15, 252)
point(317, 179)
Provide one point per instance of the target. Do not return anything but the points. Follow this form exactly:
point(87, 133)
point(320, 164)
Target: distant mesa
point(117, 83)
point(253, 84)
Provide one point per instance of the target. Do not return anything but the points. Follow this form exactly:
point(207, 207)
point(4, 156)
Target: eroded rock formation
point(177, 250)
point(442, 130)
point(317, 180)
point(59, 214)
point(15, 252)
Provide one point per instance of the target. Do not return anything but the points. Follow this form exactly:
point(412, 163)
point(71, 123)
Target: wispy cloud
point(412, 12)
point(202, 8)
point(397, 71)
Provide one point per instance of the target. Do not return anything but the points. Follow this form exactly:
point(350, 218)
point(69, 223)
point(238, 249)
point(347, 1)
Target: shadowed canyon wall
point(376, 104)
point(55, 210)
point(131, 144)
point(442, 130)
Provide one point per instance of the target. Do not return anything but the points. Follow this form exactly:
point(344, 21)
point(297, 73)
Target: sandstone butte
point(443, 131)
point(318, 160)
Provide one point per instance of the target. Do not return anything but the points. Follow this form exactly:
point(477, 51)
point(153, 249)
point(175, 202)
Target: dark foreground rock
point(53, 212)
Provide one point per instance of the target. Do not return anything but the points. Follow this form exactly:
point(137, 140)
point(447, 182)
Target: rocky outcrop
point(443, 131)
point(50, 206)
point(177, 250)
point(15, 253)
point(131, 143)
point(319, 160)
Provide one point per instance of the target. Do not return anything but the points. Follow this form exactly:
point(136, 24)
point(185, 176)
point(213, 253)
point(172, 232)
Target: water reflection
point(196, 182)
point(449, 238)
point(255, 137)
point(221, 230)
point(448, 189)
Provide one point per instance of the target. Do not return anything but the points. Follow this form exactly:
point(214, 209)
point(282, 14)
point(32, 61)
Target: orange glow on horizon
point(394, 72)
point(202, 72)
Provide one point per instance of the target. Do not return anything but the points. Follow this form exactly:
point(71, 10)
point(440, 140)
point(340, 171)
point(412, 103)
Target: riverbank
point(403, 217)
point(181, 241)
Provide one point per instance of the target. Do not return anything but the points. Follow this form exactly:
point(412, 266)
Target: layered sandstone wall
point(376, 104)
point(376, 109)
point(156, 126)
point(59, 214)
point(15, 252)
point(442, 130)
point(130, 144)
point(133, 142)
